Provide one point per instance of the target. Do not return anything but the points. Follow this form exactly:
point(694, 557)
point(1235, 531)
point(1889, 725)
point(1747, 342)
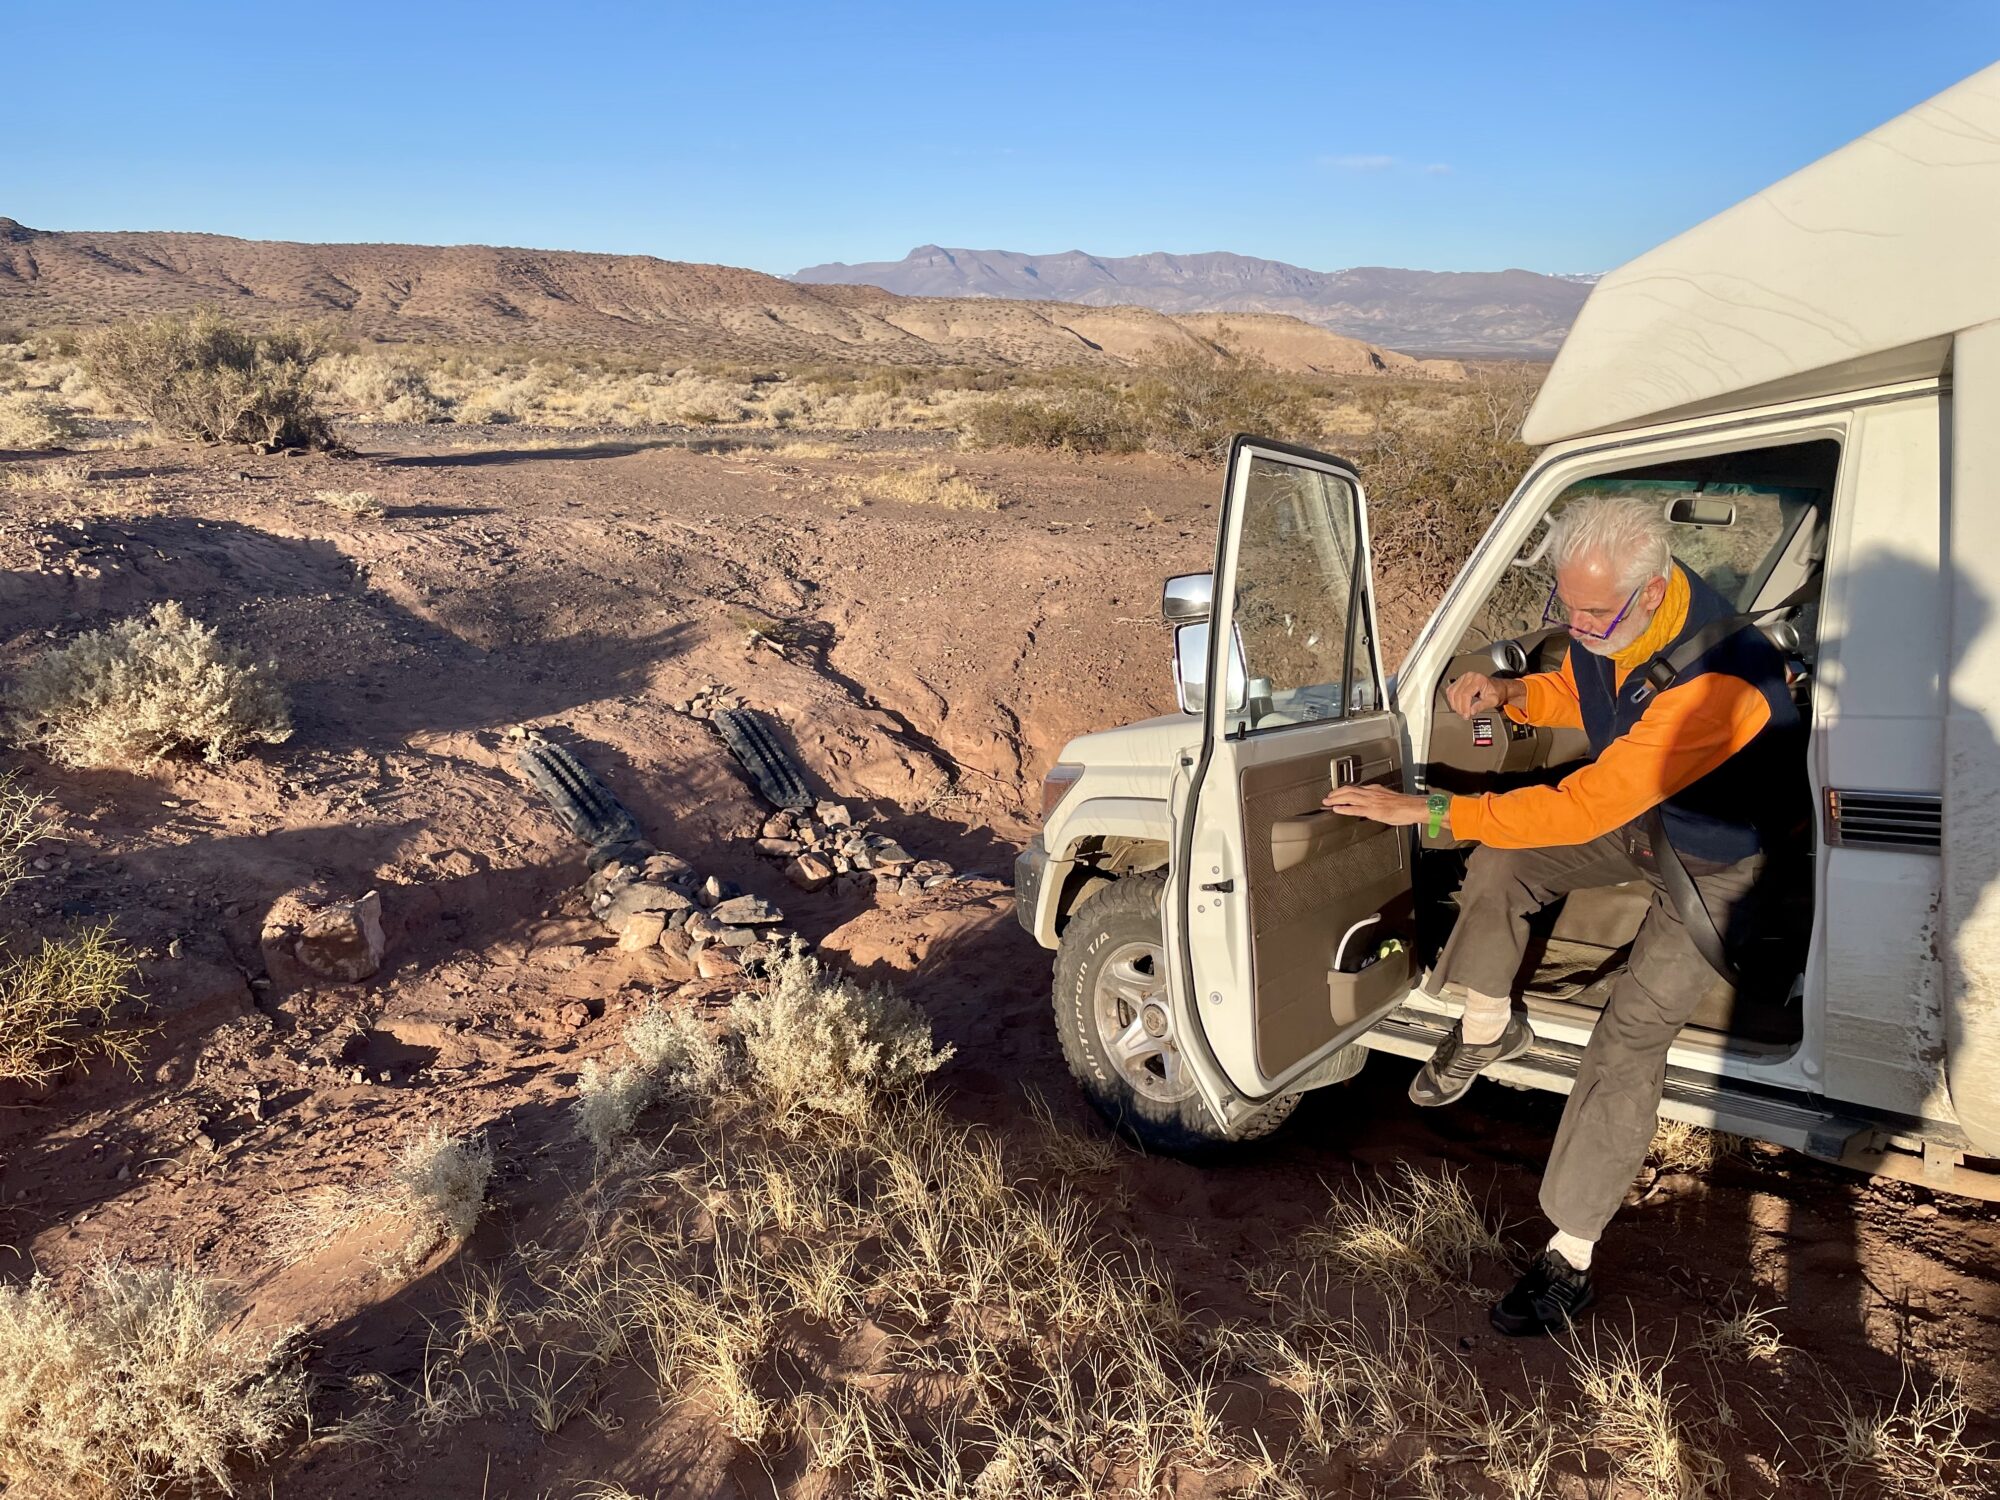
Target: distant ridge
point(673, 309)
point(1521, 314)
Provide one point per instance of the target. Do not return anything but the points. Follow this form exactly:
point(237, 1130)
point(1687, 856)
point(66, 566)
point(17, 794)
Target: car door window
point(1298, 609)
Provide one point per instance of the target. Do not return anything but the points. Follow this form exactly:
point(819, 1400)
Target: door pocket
point(1354, 997)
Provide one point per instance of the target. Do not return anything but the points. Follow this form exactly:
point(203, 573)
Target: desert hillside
point(481, 294)
point(1510, 314)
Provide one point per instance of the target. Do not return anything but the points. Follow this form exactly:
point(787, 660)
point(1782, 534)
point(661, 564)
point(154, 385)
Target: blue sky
point(1561, 137)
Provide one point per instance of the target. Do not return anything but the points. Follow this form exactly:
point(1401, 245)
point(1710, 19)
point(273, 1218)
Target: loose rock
point(643, 929)
point(716, 963)
point(746, 911)
point(809, 872)
point(344, 942)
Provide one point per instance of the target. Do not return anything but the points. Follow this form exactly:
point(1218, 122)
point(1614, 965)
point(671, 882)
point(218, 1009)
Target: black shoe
point(1449, 1073)
point(1548, 1298)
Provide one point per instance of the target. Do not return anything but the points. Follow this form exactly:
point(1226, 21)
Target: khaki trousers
point(1614, 1108)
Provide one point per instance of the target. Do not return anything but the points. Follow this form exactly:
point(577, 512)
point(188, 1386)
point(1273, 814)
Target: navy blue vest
point(1734, 810)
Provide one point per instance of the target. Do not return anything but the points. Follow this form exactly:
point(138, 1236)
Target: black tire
point(1164, 1114)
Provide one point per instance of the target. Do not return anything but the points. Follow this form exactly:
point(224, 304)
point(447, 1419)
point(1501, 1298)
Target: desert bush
point(1081, 421)
point(30, 421)
point(146, 688)
point(818, 1043)
point(928, 484)
point(57, 476)
point(1192, 402)
point(438, 1181)
point(609, 1102)
point(206, 378)
point(361, 504)
point(135, 1385)
point(388, 390)
point(21, 825)
point(1437, 477)
point(56, 1003)
point(682, 1057)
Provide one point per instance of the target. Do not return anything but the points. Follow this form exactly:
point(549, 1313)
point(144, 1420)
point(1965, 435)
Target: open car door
point(1284, 918)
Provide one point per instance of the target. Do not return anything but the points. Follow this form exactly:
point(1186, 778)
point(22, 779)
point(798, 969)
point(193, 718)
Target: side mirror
point(1190, 596)
point(1191, 669)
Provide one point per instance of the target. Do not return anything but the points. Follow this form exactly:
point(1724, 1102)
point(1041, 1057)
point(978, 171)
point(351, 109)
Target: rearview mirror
point(1190, 596)
point(1191, 669)
point(1701, 510)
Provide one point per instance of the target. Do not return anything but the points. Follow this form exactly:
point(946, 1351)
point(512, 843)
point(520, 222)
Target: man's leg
point(1503, 888)
point(1614, 1109)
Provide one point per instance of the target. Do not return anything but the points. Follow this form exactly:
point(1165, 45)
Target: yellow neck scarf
point(1663, 627)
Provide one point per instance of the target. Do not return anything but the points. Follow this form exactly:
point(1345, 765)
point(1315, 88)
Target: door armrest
point(1315, 835)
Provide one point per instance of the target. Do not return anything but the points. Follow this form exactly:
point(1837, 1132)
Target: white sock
point(1486, 1018)
point(1573, 1250)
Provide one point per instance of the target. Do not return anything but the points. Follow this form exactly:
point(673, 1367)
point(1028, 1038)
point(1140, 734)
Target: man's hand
point(1378, 803)
point(1476, 693)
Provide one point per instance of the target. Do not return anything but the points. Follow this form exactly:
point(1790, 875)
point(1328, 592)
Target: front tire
point(1117, 1030)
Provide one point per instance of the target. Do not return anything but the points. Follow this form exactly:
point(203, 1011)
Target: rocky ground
point(610, 595)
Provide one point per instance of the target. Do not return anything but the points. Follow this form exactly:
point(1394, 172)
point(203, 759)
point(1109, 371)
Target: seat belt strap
point(1664, 670)
point(1686, 896)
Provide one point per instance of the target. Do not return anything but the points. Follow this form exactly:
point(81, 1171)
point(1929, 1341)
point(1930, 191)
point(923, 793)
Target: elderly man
point(1711, 752)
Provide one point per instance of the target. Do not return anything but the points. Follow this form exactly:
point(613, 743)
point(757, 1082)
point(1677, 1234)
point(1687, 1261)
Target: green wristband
point(1435, 807)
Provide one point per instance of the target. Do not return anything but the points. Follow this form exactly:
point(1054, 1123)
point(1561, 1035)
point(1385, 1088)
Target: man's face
point(1592, 597)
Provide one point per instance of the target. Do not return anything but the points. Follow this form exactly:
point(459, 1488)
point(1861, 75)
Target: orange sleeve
point(1552, 700)
point(1684, 734)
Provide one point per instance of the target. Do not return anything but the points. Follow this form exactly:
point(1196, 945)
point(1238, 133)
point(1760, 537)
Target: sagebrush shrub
point(609, 1102)
point(56, 1004)
point(135, 1385)
point(146, 688)
point(439, 1181)
point(818, 1043)
point(679, 1054)
point(32, 421)
point(1191, 402)
point(206, 378)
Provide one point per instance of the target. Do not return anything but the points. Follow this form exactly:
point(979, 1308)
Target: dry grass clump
point(1680, 1147)
point(135, 1385)
point(146, 688)
point(30, 420)
point(361, 504)
point(206, 378)
point(438, 1181)
point(1082, 420)
point(929, 484)
point(683, 1057)
point(62, 476)
point(56, 1003)
point(1914, 1449)
point(1630, 1411)
point(386, 390)
point(1423, 1230)
point(806, 450)
point(818, 1043)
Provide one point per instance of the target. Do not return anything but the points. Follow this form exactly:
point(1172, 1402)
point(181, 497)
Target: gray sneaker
point(1449, 1073)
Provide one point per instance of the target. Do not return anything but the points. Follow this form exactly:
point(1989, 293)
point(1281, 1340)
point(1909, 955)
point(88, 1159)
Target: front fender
point(1040, 910)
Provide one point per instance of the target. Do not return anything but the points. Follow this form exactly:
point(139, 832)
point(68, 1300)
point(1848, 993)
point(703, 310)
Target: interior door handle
point(1346, 770)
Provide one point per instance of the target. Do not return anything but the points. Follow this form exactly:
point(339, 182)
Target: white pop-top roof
point(1854, 271)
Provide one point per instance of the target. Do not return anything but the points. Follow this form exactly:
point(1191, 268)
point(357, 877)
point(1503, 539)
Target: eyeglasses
point(1555, 612)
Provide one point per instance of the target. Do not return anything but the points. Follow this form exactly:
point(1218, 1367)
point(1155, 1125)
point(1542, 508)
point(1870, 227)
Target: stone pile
point(654, 899)
point(827, 845)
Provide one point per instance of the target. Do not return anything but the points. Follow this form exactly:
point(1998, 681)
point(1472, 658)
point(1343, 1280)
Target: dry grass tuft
point(819, 1044)
point(1914, 1449)
point(147, 688)
point(930, 484)
point(1632, 1414)
point(205, 378)
point(805, 450)
point(682, 1057)
point(63, 476)
point(609, 1102)
point(362, 504)
point(56, 1004)
point(1424, 1230)
point(1680, 1147)
point(438, 1181)
point(32, 421)
point(135, 1385)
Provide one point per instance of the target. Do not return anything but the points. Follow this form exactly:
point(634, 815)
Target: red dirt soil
point(937, 661)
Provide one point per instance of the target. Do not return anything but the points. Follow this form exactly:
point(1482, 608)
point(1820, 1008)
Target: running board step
point(1688, 1097)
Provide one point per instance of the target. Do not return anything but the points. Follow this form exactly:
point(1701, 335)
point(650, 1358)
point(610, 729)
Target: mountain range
point(1521, 314)
point(482, 294)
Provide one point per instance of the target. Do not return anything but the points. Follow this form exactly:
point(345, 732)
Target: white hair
point(1629, 534)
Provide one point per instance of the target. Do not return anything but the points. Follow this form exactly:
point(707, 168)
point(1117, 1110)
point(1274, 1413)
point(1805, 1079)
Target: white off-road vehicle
point(1809, 386)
